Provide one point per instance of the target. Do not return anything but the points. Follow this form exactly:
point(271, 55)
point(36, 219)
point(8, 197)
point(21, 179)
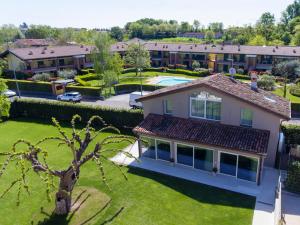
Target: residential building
point(27, 43)
point(199, 35)
point(215, 123)
point(48, 59)
point(218, 58)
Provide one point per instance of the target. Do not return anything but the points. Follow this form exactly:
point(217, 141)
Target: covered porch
point(207, 146)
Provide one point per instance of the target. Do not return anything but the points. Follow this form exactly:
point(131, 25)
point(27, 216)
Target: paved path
point(291, 208)
point(265, 193)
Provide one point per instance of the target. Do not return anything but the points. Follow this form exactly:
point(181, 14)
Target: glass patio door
point(228, 164)
point(163, 150)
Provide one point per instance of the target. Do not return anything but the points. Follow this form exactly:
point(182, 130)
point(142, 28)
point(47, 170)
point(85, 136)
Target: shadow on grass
point(52, 219)
point(199, 192)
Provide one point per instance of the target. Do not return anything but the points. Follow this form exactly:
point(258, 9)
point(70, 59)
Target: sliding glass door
point(247, 168)
point(148, 148)
point(203, 159)
point(242, 167)
point(185, 154)
point(228, 164)
point(163, 149)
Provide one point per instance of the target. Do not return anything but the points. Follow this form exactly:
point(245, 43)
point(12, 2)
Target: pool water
point(170, 81)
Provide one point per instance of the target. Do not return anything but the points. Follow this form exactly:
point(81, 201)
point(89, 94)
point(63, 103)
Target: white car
point(134, 96)
point(9, 93)
point(70, 97)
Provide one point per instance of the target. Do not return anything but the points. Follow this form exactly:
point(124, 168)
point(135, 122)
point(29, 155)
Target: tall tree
point(289, 70)
point(292, 11)
point(117, 33)
point(196, 25)
point(265, 25)
point(138, 57)
point(4, 102)
point(30, 156)
point(216, 27)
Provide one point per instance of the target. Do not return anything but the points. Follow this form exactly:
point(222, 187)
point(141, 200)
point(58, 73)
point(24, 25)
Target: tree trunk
point(63, 200)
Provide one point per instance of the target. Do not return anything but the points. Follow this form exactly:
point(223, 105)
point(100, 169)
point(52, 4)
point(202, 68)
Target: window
point(228, 164)
point(203, 159)
point(40, 64)
point(168, 107)
point(185, 154)
point(163, 150)
point(61, 62)
point(247, 168)
point(148, 147)
point(246, 117)
point(205, 106)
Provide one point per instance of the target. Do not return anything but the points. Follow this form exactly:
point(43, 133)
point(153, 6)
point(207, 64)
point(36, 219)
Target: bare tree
point(35, 158)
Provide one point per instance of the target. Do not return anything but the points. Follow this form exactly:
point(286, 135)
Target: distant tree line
point(266, 31)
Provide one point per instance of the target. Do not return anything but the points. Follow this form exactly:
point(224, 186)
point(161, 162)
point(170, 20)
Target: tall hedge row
point(128, 88)
point(45, 110)
point(292, 182)
point(292, 134)
point(46, 87)
point(202, 73)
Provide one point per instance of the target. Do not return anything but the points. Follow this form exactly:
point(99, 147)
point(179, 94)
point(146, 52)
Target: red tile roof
point(217, 49)
point(34, 42)
point(205, 132)
point(260, 98)
point(50, 52)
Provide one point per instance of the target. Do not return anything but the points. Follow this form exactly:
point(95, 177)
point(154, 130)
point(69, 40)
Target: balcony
point(41, 70)
point(264, 66)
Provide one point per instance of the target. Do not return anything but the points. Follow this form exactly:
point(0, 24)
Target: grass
point(131, 78)
point(292, 98)
point(146, 198)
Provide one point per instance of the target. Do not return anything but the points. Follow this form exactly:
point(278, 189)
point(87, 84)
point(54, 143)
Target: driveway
point(291, 208)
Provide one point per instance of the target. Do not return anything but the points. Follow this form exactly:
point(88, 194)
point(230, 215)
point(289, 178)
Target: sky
point(108, 13)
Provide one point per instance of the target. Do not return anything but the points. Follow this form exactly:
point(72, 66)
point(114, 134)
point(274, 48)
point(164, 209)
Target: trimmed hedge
point(239, 76)
point(128, 88)
point(202, 73)
point(291, 133)
point(292, 182)
point(46, 87)
point(45, 110)
point(9, 74)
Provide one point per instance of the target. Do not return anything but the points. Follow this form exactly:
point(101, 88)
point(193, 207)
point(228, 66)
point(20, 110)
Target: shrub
point(9, 74)
point(292, 182)
point(240, 76)
point(41, 77)
point(266, 82)
point(45, 110)
point(85, 91)
point(202, 73)
point(295, 90)
point(292, 134)
point(67, 74)
point(128, 88)
point(81, 82)
point(240, 71)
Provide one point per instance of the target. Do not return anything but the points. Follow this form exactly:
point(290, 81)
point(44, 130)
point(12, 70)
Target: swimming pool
point(170, 81)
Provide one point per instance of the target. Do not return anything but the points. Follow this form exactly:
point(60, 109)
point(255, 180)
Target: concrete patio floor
point(264, 193)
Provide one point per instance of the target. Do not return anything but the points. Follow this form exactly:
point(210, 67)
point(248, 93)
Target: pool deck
point(156, 80)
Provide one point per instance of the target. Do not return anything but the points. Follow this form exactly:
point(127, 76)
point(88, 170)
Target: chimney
point(254, 81)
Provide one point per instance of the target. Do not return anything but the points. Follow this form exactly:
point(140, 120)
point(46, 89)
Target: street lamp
point(140, 71)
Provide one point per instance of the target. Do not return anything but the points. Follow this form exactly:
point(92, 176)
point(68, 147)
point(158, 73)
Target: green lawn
point(131, 78)
point(146, 198)
point(292, 98)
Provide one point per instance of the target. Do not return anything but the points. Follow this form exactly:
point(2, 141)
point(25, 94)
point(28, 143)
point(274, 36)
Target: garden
point(145, 198)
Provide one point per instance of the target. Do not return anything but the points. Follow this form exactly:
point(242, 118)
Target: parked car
point(134, 96)
point(70, 97)
point(9, 93)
